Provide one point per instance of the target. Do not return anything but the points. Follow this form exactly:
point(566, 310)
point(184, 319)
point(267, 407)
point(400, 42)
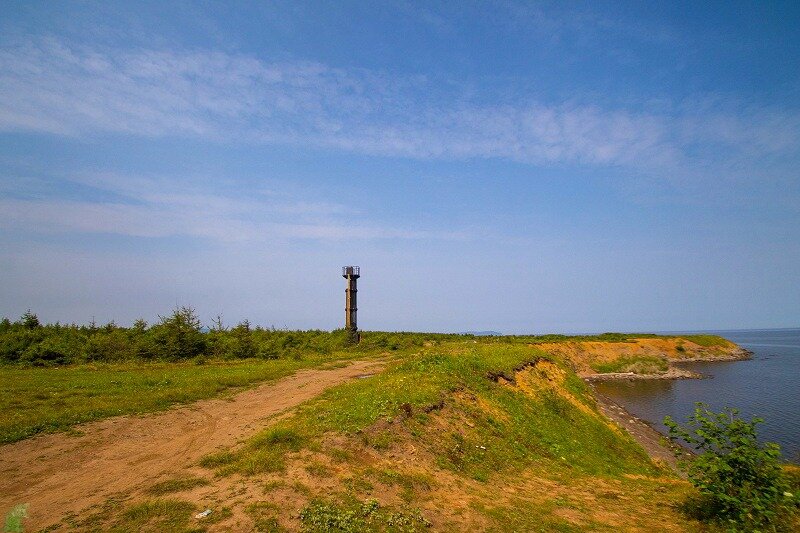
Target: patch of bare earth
point(120, 458)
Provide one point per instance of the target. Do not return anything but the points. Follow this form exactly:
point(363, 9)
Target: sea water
point(767, 386)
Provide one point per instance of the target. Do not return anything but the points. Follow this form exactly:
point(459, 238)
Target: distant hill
point(483, 333)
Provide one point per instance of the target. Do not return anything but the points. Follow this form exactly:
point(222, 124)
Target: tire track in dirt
point(58, 474)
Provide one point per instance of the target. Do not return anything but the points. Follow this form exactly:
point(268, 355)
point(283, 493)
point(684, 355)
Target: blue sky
point(514, 166)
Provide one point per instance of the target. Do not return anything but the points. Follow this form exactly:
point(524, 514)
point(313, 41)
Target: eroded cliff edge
point(646, 357)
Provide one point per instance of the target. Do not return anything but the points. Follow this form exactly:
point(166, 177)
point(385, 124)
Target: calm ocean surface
point(768, 386)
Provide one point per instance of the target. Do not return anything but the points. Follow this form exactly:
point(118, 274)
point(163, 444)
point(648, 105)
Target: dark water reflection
point(768, 386)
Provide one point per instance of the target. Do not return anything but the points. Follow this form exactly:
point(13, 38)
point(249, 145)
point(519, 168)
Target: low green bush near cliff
point(741, 483)
point(640, 364)
point(706, 341)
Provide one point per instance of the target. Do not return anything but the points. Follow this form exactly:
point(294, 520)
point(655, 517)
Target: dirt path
point(59, 474)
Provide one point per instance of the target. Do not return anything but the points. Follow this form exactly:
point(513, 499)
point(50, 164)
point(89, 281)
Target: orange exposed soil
point(58, 474)
point(584, 354)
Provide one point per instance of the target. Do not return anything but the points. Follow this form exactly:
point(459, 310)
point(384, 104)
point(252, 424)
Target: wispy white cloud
point(155, 208)
point(49, 86)
point(580, 25)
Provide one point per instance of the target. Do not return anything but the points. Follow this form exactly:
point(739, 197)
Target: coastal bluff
point(645, 357)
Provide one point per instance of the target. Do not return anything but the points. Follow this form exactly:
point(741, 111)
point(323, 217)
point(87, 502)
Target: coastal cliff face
point(643, 357)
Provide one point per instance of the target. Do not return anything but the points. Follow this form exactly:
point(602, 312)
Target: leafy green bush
point(740, 481)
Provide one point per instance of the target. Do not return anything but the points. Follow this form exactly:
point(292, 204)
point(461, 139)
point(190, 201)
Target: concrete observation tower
point(351, 274)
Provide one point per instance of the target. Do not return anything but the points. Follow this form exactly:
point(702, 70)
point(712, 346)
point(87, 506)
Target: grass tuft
point(635, 364)
point(324, 516)
point(176, 485)
point(707, 341)
point(13, 521)
point(157, 515)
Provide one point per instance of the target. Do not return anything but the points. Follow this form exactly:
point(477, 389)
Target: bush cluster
point(741, 482)
point(176, 337)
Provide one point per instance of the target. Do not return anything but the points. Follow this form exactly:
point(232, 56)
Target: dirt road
point(59, 474)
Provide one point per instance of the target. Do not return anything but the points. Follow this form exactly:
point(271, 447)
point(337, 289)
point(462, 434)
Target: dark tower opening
point(351, 274)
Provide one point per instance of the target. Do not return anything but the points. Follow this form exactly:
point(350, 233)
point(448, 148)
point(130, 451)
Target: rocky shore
point(672, 372)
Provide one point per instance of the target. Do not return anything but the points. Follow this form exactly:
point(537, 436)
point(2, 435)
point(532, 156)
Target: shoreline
point(657, 445)
point(674, 371)
point(669, 374)
point(740, 354)
point(660, 449)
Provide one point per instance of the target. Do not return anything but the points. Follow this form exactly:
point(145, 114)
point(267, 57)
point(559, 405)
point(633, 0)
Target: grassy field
point(471, 433)
point(458, 433)
point(637, 365)
point(477, 429)
point(407, 393)
point(35, 400)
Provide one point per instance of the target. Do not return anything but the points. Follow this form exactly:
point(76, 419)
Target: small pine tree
point(30, 320)
point(178, 336)
point(243, 345)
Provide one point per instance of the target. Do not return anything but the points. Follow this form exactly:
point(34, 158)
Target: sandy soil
point(59, 474)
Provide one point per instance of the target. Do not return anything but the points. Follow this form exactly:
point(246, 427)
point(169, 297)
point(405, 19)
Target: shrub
point(30, 320)
point(109, 344)
point(178, 336)
point(740, 481)
point(243, 346)
point(53, 350)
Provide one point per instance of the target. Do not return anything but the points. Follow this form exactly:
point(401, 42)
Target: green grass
point(453, 400)
point(409, 483)
point(602, 337)
point(176, 485)
point(639, 504)
point(707, 341)
point(353, 516)
point(158, 515)
point(37, 400)
point(14, 518)
point(531, 432)
point(264, 516)
point(635, 364)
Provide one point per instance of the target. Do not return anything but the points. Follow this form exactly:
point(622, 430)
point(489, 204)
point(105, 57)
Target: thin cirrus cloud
point(156, 208)
point(165, 220)
point(50, 86)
